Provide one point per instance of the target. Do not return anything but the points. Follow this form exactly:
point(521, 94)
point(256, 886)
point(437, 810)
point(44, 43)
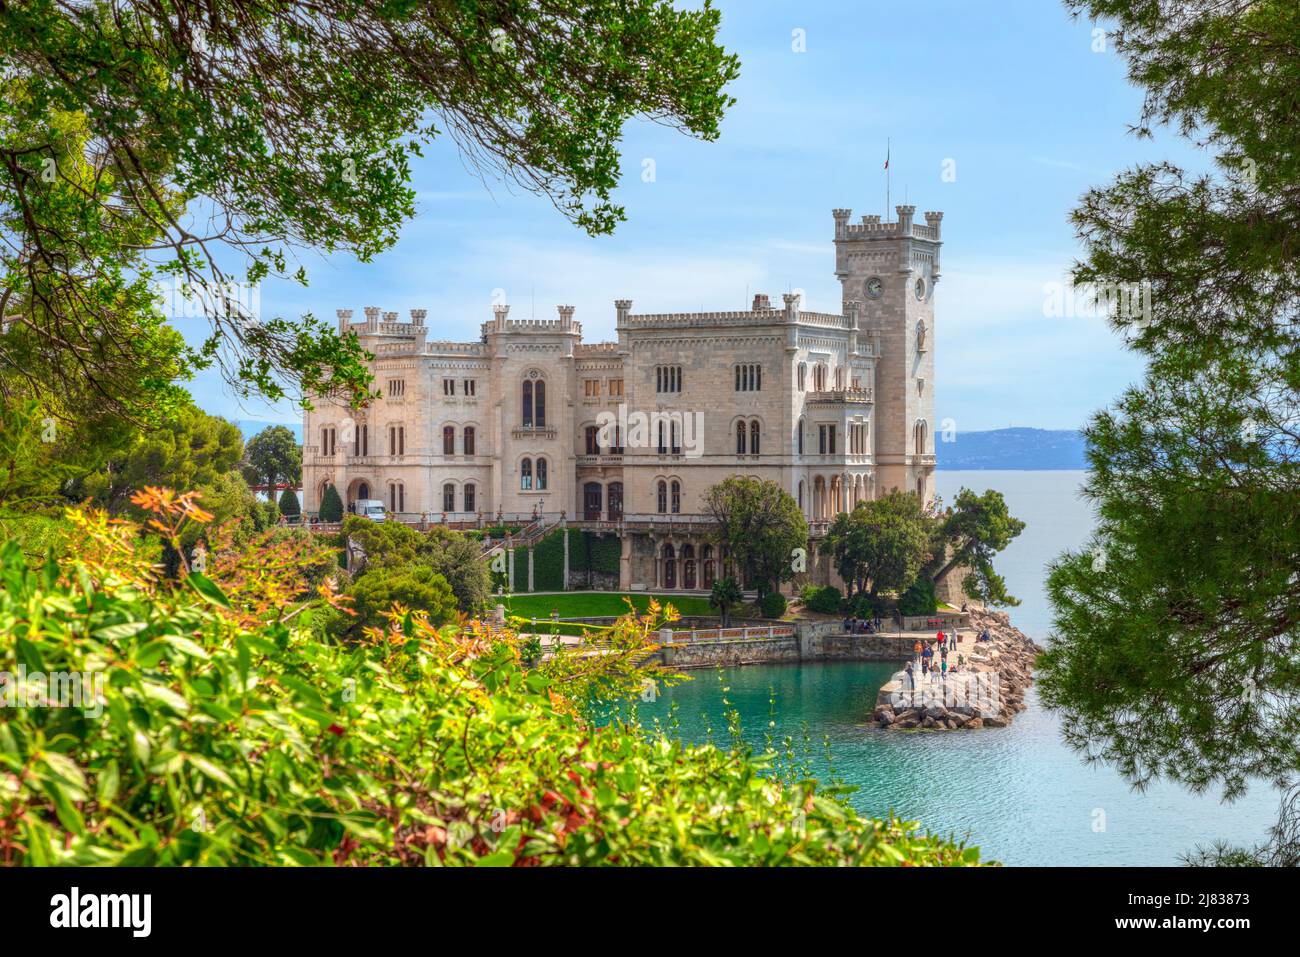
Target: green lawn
point(579, 604)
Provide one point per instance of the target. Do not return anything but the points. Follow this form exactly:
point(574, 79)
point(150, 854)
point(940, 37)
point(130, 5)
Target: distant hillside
point(250, 428)
point(1012, 449)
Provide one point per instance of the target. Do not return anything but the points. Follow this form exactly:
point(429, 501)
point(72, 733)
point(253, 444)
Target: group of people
point(854, 625)
point(927, 651)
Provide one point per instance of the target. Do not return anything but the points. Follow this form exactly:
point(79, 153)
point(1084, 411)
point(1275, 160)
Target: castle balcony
point(603, 460)
point(533, 433)
point(841, 397)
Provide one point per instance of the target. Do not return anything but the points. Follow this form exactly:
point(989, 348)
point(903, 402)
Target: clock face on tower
point(875, 287)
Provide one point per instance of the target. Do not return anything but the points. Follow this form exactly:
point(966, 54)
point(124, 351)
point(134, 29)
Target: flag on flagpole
point(886, 155)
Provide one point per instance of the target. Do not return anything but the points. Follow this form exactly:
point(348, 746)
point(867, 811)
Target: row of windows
point(449, 440)
point(749, 378)
point(668, 378)
point(469, 497)
point(591, 388)
point(467, 387)
point(591, 435)
point(750, 432)
point(821, 376)
point(530, 480)
point(534, 404)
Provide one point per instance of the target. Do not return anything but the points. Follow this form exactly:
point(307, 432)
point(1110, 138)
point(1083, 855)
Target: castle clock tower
point(892, 269)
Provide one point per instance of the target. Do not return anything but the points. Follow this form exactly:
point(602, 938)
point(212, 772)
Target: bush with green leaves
point(415, 587)
point(772, 605)
point(289, 506)
point(919, 598)
point(331, 506)
point(219, 736)
point(827, 601)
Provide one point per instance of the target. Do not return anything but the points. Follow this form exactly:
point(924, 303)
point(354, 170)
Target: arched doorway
point(688, 567)
point(615, 496)
point(709, 574)
point(591, 499)
point(670, 567)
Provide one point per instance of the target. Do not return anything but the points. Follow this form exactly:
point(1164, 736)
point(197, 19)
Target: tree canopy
point(761, 527)
point(1176, 650)
point(882, 544)
point(272, 457)
point(973, 530)
point(200, 145)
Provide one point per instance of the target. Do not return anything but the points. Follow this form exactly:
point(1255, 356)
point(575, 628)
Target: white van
point(371, 508)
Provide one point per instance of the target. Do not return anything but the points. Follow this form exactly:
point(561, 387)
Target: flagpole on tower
point(888, 174)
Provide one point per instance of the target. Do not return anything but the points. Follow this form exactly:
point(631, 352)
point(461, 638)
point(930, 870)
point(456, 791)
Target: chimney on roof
point(761, 301)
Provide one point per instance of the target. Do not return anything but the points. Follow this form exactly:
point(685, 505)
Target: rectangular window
point(616, 388)
point(470, 387)
point(396, 388)
point(668, 378)
point(591, 388)
point(593, 440)
point(469, 497)
point(826, 439)
point(469, 441)
point(449, 498)
point(448, 386)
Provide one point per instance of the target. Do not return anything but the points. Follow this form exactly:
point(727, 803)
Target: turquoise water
point(1019, 792)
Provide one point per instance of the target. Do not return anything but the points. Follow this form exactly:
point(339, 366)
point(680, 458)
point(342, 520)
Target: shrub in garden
point(289, 506)
point(827, 601)
point(919, 599)
point(772, 605)
point(331, 506)
point(224, 733)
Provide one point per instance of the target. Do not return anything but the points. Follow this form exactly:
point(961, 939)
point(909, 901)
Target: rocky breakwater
point(986, 693)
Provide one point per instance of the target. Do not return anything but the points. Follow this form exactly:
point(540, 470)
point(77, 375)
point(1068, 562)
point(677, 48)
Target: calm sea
point(1019, 793)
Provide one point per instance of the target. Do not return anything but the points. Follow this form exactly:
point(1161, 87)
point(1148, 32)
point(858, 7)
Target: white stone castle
point(531, 422)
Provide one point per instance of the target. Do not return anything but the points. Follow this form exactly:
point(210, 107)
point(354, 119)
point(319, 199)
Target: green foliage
point(272, 457)
point(826, 601)
point(882, 544)
point(726, 594)
point(289, 506)
point(548, 562)
point(760, 525)
point(290, 125)
point(592, 552)
point(331, 506)
point(919, 598)
point(223, 741)
point(192, 450)
point(772, 605)
point(587, 604)
point(975, 529)
point(1175, 652)
point(415, 587)
point(451, 554)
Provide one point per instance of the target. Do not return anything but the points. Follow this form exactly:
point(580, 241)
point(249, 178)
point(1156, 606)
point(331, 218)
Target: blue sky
point(1010, 91)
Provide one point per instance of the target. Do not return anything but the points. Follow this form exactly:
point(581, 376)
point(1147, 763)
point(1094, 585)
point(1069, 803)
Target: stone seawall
point(987, 693)
point(811, 642)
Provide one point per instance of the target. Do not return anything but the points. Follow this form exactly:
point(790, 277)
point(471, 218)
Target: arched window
point(688, 566)
point(449, 497)
point(541, 475)
point(803, 376)
point(709, 574)
point(528, 405)
point(740, 438)
point(839, 378)
point(753, 437)
point(663, 443)
point(539, 405)
point(327, 440)
point(798, 437)
point(920, 436)
point(397, 440)
point(677, 443)
point(663, 497)
point(448, 440)
point(677, 498)
point(470, 504)
point(670, 567)
point(396, 497)
point(526, 475)
point(469, 443)
point(801, 495)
